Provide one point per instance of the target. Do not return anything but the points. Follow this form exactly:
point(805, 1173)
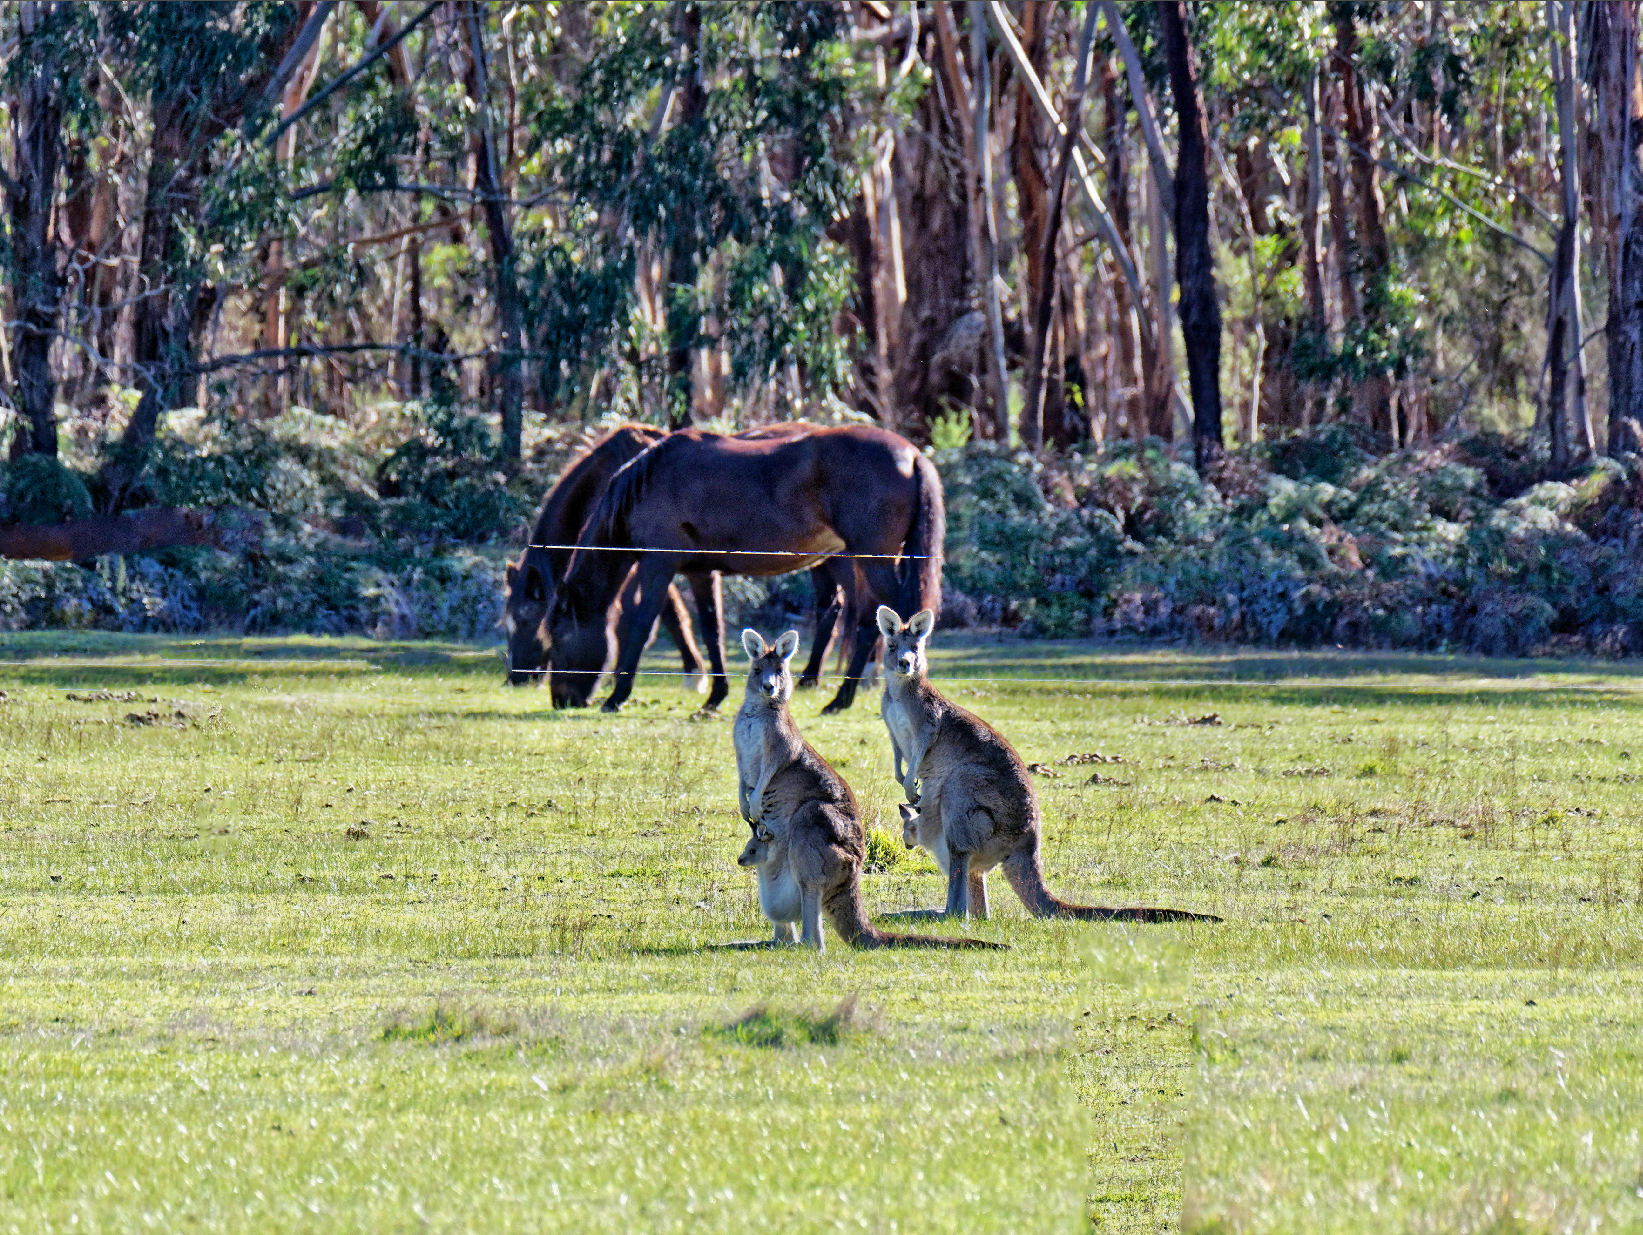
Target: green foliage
point(40, 489)
point(952, 431)
point(742, 192)
point(884, 850)
point(445, 481)
point(1008, 545)
point(1418, 548)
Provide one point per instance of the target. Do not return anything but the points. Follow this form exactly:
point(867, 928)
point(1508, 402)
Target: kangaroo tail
point(845, 911)
point(921, 571)
point(1026, 876)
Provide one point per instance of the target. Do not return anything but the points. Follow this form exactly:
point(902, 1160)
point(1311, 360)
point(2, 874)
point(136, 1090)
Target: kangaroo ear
point(763, 833)
point(889, 622)
point(787, 645)
point(752, 644)
point(512, 573)
point(922, 624)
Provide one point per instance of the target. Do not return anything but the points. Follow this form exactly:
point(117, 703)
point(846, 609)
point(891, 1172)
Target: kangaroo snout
point(909, 825)
point(750, 855)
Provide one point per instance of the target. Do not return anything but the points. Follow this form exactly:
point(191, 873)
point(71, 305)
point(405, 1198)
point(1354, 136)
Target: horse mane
point(619, 440)
point(608, 524)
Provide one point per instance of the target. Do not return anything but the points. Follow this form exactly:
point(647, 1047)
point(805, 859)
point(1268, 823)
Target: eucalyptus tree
point(692, 159)
point(45, 94)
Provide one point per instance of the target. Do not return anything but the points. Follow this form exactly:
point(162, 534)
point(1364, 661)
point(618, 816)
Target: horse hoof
point(610, 709)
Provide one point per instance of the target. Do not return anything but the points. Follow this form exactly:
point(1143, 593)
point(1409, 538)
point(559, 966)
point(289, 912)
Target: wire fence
point(811, 555)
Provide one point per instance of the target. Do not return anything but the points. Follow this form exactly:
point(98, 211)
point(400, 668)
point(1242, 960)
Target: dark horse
point(533, 580)
point(860, 503)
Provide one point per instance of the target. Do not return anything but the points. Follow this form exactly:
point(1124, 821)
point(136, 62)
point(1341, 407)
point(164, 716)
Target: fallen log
point(163, 527)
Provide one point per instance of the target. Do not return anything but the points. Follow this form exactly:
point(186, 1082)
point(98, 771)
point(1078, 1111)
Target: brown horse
point(861, 503)
point(533, 580)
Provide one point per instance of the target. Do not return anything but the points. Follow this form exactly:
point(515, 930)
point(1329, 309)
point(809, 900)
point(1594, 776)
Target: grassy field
point(340, 935)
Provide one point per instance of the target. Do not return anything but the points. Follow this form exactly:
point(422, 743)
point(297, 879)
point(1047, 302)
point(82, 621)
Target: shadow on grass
point(761, 1027)
point(1167, 674)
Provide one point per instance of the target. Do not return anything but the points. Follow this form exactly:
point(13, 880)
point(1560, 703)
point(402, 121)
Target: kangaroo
point(808, 843)
point(977, 808)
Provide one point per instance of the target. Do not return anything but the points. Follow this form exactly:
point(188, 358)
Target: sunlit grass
point(344, 935)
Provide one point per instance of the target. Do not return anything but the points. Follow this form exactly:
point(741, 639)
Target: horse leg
point(710, 611)
point(826, 619)
point(630, 597)
point(635, 623)
point(676, 618)
point(881, 590)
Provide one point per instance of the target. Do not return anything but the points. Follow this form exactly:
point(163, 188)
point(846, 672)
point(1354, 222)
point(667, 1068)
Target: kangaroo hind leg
point(958, 885)
point(978, 894)
point(810, 930)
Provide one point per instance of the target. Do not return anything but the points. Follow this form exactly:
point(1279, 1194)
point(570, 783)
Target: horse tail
point(1026, 876)
point(849, 615)
point(921, 567)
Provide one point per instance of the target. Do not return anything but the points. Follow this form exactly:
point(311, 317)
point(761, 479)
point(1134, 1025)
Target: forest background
point(1302, 323)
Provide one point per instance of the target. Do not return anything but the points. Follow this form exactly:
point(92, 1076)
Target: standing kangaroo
point(977, 808)
point(808, 844)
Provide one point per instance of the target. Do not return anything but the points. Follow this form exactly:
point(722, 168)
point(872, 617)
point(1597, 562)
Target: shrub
point(39, 489)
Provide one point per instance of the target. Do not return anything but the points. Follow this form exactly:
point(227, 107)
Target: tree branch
point(1143, 107)
point(364, 63)
point(1109, 229)
point(299, 51)
point(1404, 173)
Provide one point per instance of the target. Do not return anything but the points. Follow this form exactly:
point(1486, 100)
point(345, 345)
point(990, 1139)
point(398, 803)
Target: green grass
point(343, 935)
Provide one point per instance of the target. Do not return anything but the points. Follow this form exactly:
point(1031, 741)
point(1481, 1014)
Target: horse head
point(581, 641)
point(530, 596)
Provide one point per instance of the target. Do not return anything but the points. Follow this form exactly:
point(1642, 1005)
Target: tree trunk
point(981, 130)
point(1317, 309)
point(1125, 310)
point(277, 388)
point(683, 323)
point(1562, 310)
point(80, 540)
point(935, 370)
point(1374, 252)
point(1037, 409)
point(508, 368)
point(1349, 306)
point(1160, 356)
point(163, 343)
point(888, 282)
point(1612, 64)
point(36, 283)
point(1033, 208)
point(1194, 261)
